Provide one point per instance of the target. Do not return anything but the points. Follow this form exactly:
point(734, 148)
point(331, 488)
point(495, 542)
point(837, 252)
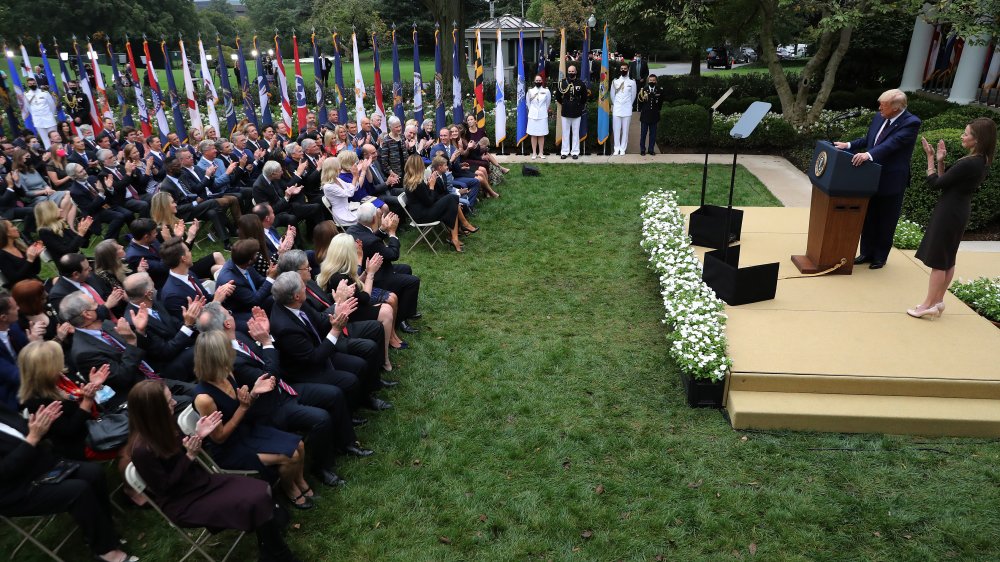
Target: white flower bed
point(698, 340)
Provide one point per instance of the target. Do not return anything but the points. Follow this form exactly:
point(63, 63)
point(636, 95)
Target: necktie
point(97, 298)
point(249, 280)
point(323, 302)
point(144, 367)
point(195, 285)
point(281, 384)
point(881, 134)
point(305, 320)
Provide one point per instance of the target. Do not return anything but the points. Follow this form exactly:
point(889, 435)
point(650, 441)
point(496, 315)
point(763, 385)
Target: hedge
point(956, 118)
point(919, 201)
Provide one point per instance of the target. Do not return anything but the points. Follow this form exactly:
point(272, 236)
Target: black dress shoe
point(358, 422)
point(562, 156)
point(388, 384)
point(576, 156)
point(356, 451)
point(418, 315)
point(407, 327)
point(378, 404)
point(862, 259)
point(876, 265)
point(328, 478)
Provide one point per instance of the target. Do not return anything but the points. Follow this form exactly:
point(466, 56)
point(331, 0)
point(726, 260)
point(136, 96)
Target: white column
point(916, 57)
point(970, 70)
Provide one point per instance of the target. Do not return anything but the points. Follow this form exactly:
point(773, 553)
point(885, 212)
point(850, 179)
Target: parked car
point(719, 56)
point(746, 55)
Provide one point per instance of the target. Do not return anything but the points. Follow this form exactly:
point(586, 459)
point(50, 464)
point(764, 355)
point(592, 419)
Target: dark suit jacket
point(62, 287)
point(196, 182)
point(245, 297)
point(89, 203)
point(893, 153)
point(296, 343)
point(180, 198)
point(74, 157)
point(377, 243)
point(10, 376)
point(20, 463)
point(247, 370)
point(272, 193)
point(135, 253)
point(89, 352)
point(175, 293)
point(168, 349)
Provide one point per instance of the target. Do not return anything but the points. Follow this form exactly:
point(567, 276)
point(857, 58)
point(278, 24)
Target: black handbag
point(108, 432)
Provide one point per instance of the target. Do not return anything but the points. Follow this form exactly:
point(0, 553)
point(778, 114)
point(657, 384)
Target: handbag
point(108, 432)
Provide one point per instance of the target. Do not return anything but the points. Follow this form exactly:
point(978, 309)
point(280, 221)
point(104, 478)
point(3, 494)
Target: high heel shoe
point(940, 306)
point(918, 312)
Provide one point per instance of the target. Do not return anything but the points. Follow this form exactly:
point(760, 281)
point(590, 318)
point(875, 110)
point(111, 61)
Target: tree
point(114, 18)
point(359, 16)
point(283, 15)
point(449, 14)
point(569, 14)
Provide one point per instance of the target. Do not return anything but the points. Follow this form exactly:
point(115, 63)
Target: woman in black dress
point(951, 214)
point(187, 494)
point(429, 201)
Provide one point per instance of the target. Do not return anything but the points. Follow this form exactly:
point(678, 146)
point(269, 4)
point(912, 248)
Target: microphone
point(850, 114)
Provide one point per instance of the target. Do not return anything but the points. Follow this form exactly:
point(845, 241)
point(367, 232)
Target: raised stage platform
point(839, 353)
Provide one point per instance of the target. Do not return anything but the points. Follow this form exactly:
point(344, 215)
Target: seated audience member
point(121, 194)
point(385, 186)
point(463, 169)
point(109, 268)
point(313, 347)
point(250, 228)
point(467, 196)
point(92, 199)
point(220, 187)
point(97, 343)
point(273, 240)
point(168, 225)
point(289, 203)
point(392, 148)
point(378, 236)
point(42, 381)
point(55, 169)
point(84, 493)
point(251, 288)
point(183, 284)
point(143, 178)
point(15, 339)
point(318, 411)
point(75, 274)
point(35, 188)
point(429, 201)
point(186, 492)
point(338, 192)
point(18, 261)
point(34, 310)
point(169, 344)
point(57, 235)
point(189, 205)
point(239, 442)
point(354, 171)
point(322, 236)
point(143, 252)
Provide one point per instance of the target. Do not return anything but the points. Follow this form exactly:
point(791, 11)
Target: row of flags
point(253, 94)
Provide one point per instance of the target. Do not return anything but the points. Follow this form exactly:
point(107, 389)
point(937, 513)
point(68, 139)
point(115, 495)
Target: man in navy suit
point(170, 344)
point(144, 246)
point(889, 143)
point(181, 283)
point(251, 288)
point(12, 339)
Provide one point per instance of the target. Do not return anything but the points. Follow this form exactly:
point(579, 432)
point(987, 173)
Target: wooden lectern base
point(834, 231)
point(806, 265)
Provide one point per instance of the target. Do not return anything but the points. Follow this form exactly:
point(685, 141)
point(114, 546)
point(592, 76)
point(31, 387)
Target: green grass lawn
point(759, 67)
point(540, 418)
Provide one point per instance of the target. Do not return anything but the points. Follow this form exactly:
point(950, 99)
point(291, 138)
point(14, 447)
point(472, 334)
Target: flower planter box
point(702, 393)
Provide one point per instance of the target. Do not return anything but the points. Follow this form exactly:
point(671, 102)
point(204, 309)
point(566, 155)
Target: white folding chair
point(424, 229)
point(135, 480)
point(188, 422)
point(341, 226)
point(42, 522)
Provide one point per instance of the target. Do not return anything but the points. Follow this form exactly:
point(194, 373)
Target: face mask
point(623, 72)
point(61, 153)
point(538, 84)
point(572, 75)
point(33, 86)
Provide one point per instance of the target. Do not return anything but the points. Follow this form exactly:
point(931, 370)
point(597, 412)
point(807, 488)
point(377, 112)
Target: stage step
point(927, 386)
point(904, 415)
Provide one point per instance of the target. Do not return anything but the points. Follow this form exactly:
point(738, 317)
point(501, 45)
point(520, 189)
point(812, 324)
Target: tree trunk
point(449, 14)
point(695, 63)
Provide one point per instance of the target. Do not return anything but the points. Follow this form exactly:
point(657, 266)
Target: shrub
point(908, 235)
point(920, 199)
point(684, 126)
point(957, 118)
point(926, 108)
point(982, 294)
point(841, 100)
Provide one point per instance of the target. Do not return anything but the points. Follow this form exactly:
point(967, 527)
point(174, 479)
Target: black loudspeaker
point(527, 170)
point(736, 285)
point(707, 226)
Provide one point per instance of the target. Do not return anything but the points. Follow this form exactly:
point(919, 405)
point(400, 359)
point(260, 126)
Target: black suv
point(719, 56)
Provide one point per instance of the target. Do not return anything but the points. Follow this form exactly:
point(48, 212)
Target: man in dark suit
point(189, 205)
point(122, 195)
point(638, 69)
point(251, 288)
point(76, 274)
point(92, 195)
point(96, 343)
point(145, 246)
point(312, 347)
point(182, 285)
point(289, 203)
point(319, 411)
point(398, 278)
point(889, 143)
point(12, 339)
point(78, 153)
point(170, 345)
point(272, 237)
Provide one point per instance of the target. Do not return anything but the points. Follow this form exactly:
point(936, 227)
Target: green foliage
point(957, 117)
point(920, 199)
point(908, 235)
point(683, 126)
point(982, 295)
point(97, 19)
point(926, 108)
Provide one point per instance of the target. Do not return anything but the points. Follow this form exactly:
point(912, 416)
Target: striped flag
point(192, 97)
point(359, 84)
point(479, 104)
point(26, 68)
point(522, 104)
point(140, 102)
point(418, 81)
point(397, 82)
point(22, 104)
point(102, 96)
point(263, 86)
point(286, 105)
point(53, 84)
point(458, 112)
point(585, 78)
point(379, 104)
point(227, 91)
point(208, 85)
point(439, 117)
point(318, 75)
point(562, 76)
point(339, 82)
point(248, 104)
point(603, 100)
point(95, 118)
point(500, 109)
point(300, 87)
point(174, 99)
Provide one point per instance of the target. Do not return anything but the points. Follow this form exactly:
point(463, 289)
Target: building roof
point(510, 22)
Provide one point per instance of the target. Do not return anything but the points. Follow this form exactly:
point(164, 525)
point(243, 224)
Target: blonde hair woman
point(429, 201)
point(238, 443)
point(337, 191)
point(55, 232)
point(163, 210)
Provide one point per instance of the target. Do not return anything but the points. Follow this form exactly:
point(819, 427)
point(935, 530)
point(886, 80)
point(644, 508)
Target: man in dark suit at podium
point(889, 143)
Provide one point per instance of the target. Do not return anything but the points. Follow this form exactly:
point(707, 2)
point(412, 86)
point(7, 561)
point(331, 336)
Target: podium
point(837, 213)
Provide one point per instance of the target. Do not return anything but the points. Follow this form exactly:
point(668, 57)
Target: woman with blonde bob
point(342, 262)
point(238, 443)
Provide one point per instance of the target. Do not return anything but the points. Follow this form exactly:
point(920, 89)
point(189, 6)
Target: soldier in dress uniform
point(538, 117)
point(622, 95)
point(571, 94)
point(650, 100)
point(77, 104)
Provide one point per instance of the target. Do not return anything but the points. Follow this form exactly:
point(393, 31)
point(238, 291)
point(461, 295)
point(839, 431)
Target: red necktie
point(324, 303)
point(144, 367)
point(97, 298)
point(281, 384)
point(195, 285)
